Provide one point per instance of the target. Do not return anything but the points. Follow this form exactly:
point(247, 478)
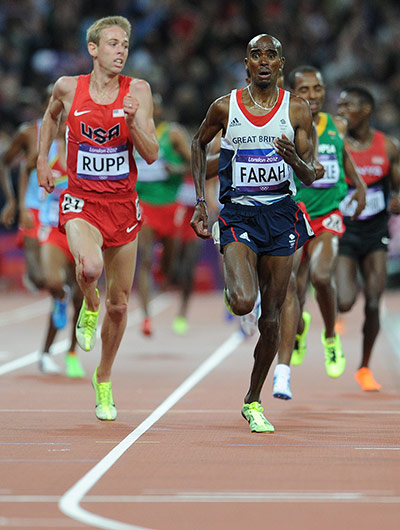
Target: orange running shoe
point(147, 328)
point(366, 380)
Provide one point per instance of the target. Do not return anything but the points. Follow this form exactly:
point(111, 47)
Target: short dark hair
point(362, 93)
point(303, 69)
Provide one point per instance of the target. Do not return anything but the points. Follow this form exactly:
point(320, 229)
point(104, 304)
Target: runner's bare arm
point(138, 109)
point(300, 154)
point(214, 121)
point(23, 141)
point(61, 98)
point(352, 173)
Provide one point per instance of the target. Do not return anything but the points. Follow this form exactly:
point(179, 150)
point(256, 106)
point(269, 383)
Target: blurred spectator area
point(192, 51)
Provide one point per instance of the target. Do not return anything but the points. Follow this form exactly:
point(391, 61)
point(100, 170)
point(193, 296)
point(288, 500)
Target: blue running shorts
point(278, 229)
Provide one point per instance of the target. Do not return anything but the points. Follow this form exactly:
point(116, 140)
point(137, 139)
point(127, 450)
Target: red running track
point(180, 456)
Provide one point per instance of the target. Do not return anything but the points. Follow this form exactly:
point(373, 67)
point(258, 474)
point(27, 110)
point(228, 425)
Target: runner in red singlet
point(108, 116)
point(363, 248)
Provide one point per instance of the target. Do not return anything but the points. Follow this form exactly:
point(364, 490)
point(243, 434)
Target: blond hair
point(93, 33)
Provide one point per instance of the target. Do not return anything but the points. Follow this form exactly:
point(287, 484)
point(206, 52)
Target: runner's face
point(310, 86)
point(350, 108)
point(113, 48)
point(264, 62)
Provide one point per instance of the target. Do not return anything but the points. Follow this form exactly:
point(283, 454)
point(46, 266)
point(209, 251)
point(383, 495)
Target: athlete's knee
point(322, 279)
point(117, 309)
point(54, 284)
point(241, 304)
point(345, 300)
point(89, 269)
point(344, 305)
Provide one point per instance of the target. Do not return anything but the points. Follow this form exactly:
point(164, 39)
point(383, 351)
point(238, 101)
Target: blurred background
point(192, 51)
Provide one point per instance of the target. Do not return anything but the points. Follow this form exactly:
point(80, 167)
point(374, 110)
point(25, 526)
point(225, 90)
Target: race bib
point(332, 171)
point(102, 163)
point(374, 204)
point(72, 204)
point(255, 173)
point(334, 223)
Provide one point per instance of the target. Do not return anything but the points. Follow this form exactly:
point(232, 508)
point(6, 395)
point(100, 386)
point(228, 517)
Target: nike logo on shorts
point(130, 228)
point(79, 113)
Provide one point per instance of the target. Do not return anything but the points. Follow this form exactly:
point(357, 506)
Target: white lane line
point(220, 496)
point(157, 305)
point(20, 314)
point(377, 448)
point(33, 357)
point(70, 501)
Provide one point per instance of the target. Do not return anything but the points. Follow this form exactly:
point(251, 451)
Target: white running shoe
point(281, 388)
point(249, 322)
point(47, 364)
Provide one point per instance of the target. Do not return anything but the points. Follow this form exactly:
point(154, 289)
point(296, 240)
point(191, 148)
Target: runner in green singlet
point(322, 200)
point(157, 187)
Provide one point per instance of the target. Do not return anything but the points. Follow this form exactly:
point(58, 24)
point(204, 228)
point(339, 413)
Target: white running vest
point(256, 172)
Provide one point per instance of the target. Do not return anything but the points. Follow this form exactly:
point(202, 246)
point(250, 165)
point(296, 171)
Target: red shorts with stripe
point(117, 218)
point(183, 216)
point(160, 218)
point(51, 235)
point(29, 232)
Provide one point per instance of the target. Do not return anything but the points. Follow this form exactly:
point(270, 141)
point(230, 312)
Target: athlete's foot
point(281, 387)
point(47, 365)
point(366, 380)
point(180, 325)
point(253, 413)
point(86, 327)
point(147, 327)
point(335, 362)
point(105, 406)
point(300, 345)
point(73, 366)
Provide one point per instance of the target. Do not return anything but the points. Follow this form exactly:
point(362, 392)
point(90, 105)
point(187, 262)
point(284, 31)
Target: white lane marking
point(377, 448)
point(33, 357)
point(221, 496)
point(157, 305)
point(70, 501)
point(20, 314)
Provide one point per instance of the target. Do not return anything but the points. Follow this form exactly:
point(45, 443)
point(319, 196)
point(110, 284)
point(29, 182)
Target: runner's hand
point(45, 177)
point(130, 106)
point(199, 221)
point(359, 196)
